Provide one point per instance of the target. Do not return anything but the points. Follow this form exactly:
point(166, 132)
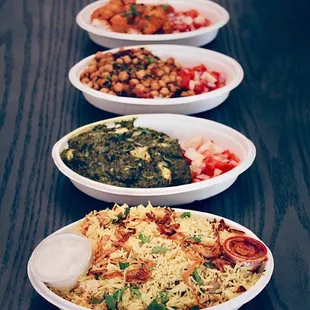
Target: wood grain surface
point(40, 41)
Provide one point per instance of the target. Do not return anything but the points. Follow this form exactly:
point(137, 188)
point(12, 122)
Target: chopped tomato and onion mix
point(206, 159)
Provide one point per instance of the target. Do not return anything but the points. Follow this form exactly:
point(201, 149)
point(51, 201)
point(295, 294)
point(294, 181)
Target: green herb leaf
point(96, 301)
point(196, 238)
point(110, 301)
point(164, 6)
point(118, 294)
point(197, 277)
point(186, 215)
point(127, 211)
point(159, 249)
point(123, 266)
point(209, 264)
point(163, 297)
point(144, 238)
point(135, 291)
point(150, 60)
point(154, 305)
point(195, 308)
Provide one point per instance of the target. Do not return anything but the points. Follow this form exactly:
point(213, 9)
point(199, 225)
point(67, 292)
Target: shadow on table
point(39, 303)
point(262, 301)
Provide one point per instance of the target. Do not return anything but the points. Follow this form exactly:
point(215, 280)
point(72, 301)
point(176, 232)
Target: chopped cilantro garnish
point(197, 277)
point(123, 266)
point(195, 308)
point(150, 59)
point(96, 301)
point(159, 249)
point(135, 291)
point(144, 238)
point(110, 301)
point(164, 6)
point(186, 215)
point(154, 305)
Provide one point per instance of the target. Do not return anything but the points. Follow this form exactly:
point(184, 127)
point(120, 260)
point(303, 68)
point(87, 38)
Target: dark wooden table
point(39, 42)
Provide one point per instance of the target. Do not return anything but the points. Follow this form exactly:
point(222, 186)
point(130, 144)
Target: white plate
point(176, 126)
point(212, 11)
point(186, 55)
point(232, 304)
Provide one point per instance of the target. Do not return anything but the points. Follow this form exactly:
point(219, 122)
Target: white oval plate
point(186, 55)
point(232, 304)
point(176, 126)
point(214, 12)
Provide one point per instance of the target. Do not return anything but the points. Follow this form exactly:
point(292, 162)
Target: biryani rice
point(168, 268)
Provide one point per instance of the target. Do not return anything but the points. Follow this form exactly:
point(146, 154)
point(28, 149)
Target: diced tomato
point(186, 77)
point(225, 167)
point(180, 27)
point(218, 85)
point(210, 166)
point(231, 156)
point(191, 13)
point(215, 74)
point(198, 89)
point(196, 180)
point(200, 68)
point(153, 71)
point(194, 174)
point(196, 25)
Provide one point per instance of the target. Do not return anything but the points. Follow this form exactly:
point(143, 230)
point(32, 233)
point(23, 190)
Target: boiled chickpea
point(172, 78)
point(104, 90)
point(146, 83)
point(140, 74)
point(135, 61)
point(170, 61)
point(85, 80)
point(92, 68)
point(160, 72)
point(114, 78)
point(165, 78)
point(99, 55)
point(119, 61)
point(166, 69)
point(165, 91)
point(127, 59)
point(162, 83)
point(95, 86)
point(172, 88)
point(118, 87)
point(133, 82)
point(155, 85)
point(140, 87)
point(108, 68)
point(123, 76)
point(154, 93)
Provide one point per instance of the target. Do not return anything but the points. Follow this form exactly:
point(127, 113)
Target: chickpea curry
point(141, 74)
point(126, 16)
point(123, 155)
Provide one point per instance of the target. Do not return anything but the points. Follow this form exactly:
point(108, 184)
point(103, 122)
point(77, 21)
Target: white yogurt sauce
point(61, 257)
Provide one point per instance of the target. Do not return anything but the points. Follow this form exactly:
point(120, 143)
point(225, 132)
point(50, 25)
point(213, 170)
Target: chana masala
point(156, 258)
point(141, 74)
point(127, 16)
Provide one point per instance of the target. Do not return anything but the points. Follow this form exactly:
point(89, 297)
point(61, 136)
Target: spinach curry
point(123, 155)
